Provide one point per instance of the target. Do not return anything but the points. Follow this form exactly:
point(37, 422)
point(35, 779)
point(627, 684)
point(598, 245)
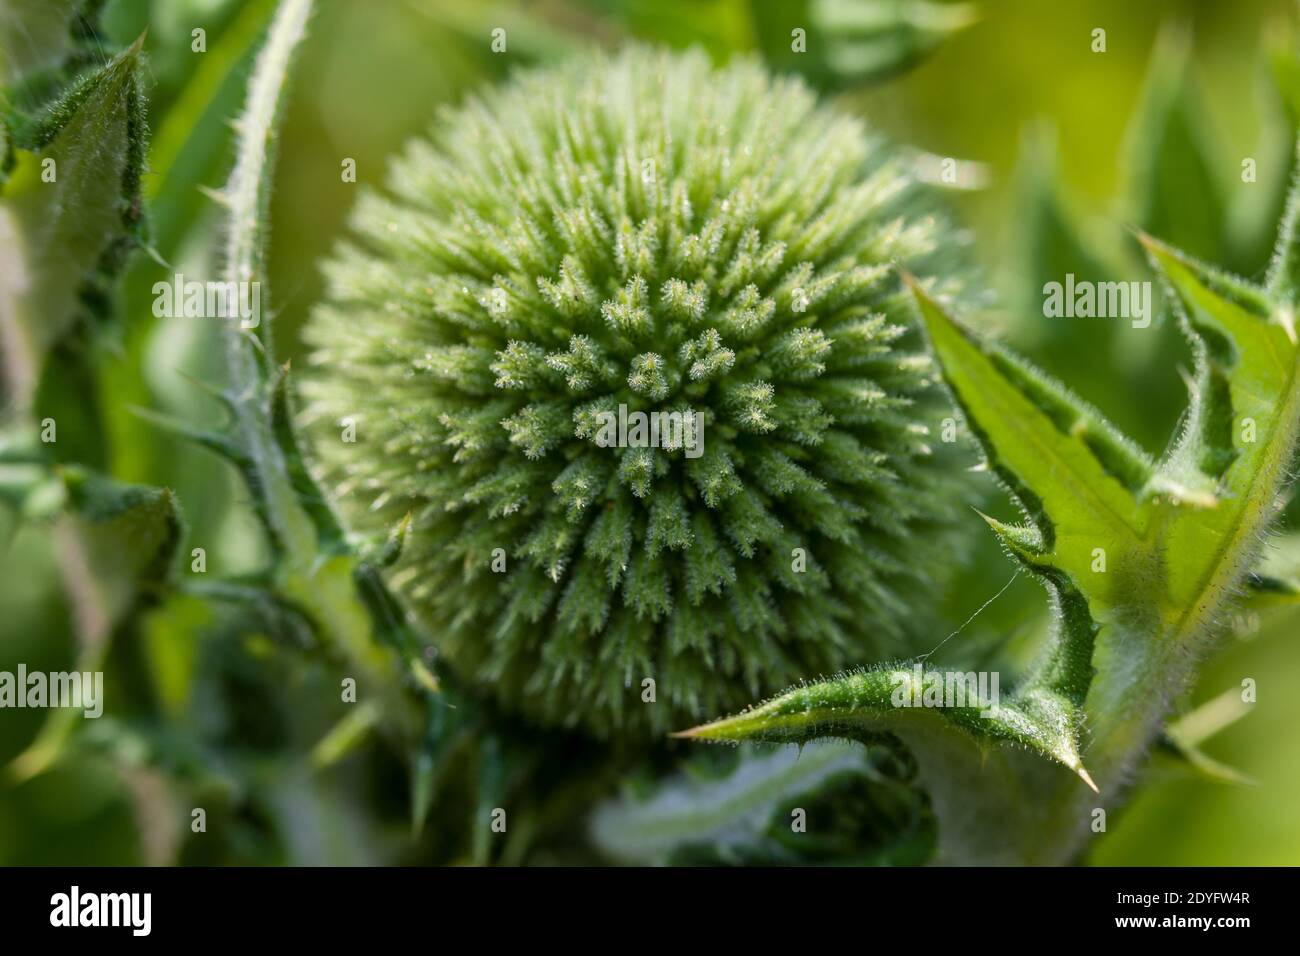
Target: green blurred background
point(1069, 147)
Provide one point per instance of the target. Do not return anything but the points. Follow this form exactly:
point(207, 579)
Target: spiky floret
point(642, 231)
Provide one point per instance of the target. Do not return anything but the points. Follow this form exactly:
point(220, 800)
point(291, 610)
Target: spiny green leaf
point(1153, 557)
point(864, 705)
point(1076, 477)
point(1242, 428)
point(248, 356)
point(1247, 346)
point(330, 537)
point(1065, 669)
point(1284, 271)
point(230, 445)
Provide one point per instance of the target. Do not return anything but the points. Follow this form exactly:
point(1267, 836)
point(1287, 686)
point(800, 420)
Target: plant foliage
point(1142, 561)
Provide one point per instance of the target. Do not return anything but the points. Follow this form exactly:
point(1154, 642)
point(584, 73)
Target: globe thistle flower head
point(628, 236)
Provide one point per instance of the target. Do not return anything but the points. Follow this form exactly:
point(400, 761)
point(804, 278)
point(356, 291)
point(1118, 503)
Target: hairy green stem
point(245, 196)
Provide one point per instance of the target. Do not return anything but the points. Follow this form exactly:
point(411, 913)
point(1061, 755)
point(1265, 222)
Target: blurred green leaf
point(117, 557)
point(1175, 185)
point(74, 208)
point(132, 533)
point(836, 44)
point(730, 810)
point(345, 736)
point(871, 39)
point(34, 36)
point(1186, 734)
point(189, 144)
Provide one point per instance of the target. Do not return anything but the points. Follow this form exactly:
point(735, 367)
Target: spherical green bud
point(625, 336)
